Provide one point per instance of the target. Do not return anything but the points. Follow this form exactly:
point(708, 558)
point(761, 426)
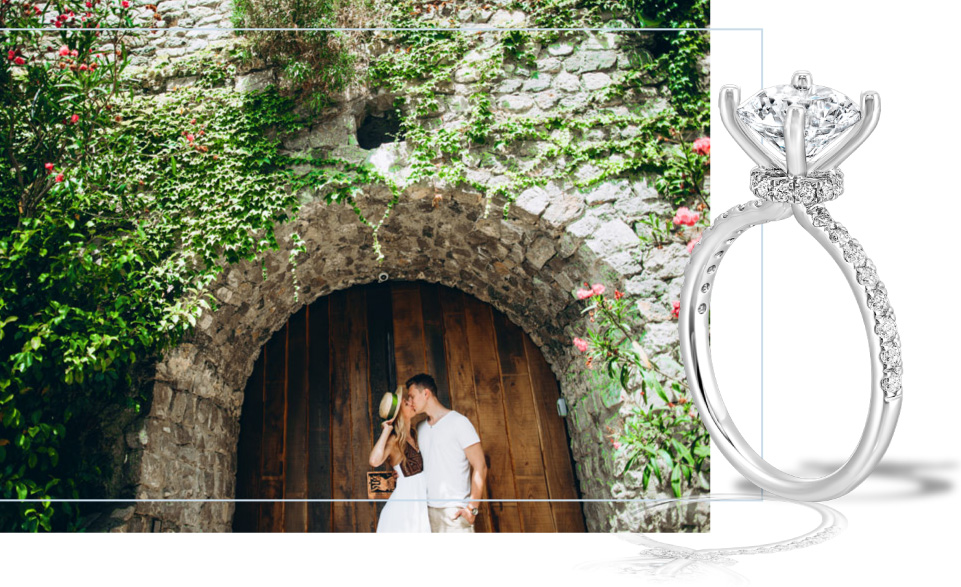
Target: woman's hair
point(400, 429)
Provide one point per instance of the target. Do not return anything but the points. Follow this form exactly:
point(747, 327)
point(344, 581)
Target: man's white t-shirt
point(445, 464)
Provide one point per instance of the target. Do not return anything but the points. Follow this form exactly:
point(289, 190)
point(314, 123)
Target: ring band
point(870, 293)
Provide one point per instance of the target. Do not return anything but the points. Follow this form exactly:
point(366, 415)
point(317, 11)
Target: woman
point(406, 509)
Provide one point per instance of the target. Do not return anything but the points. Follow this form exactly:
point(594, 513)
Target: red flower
point(64, 51)
point(676, 308)
point(59, 177)
point(11, 54)
point(685, 216)
point(74, 118)
point(598, 288)
point(618, 294)
point(49, 167)
point(702, 146)
point(583, 294)
point(190, 138)
point(125, 4)
point(694, 241)
point(19, 61)
point(581, 344)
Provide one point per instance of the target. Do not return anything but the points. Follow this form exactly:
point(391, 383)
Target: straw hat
point(390, 403)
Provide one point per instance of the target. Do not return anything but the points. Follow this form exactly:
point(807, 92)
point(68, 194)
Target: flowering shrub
point(116, 212)
point(683, 180)
point(667, 434)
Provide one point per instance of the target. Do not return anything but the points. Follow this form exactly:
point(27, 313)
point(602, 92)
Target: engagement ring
point(787, 130)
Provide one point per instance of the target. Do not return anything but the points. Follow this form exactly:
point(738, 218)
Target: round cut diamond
point(828, 114)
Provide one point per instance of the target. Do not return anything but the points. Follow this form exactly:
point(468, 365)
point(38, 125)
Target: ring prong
point(794, 148)
point(802, 80)
point(870, 113)
point(730, 97)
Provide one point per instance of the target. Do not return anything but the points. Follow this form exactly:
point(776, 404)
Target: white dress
point(400, 515)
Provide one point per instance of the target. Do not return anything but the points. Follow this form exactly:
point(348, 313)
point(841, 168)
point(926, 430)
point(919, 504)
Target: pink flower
point(190, 138)
point(59, 177)
point(581, 344)
point(75, 118)
point(702, 146)
point(617, 445)
point(583, 294)
point(694, 241)
point(64, 51)
point(675, 308)
point(598, 288)
point(685, 216)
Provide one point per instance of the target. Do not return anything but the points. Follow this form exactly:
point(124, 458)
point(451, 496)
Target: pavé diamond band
point(792, 117)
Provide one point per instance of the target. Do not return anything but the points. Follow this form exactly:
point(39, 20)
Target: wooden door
point(309, 417)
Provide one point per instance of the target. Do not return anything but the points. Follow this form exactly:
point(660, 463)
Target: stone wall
point(527, 265)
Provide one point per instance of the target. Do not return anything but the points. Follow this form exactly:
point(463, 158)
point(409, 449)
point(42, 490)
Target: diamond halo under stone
point(829, 114)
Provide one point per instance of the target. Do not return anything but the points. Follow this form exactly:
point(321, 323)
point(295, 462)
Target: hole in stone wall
point(378, 128)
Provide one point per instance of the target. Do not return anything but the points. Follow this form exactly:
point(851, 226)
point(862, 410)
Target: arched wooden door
point(310, 409)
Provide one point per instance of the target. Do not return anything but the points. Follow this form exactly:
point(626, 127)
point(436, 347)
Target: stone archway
point(309, 418)
point(526, 266)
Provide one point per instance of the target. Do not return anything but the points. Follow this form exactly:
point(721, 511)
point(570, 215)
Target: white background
point(899, 202)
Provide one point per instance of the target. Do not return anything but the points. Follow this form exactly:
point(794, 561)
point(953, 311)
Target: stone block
point(612, 236)
point(567, 82)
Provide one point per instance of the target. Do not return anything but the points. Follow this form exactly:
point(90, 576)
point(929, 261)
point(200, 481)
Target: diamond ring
point(787, 130)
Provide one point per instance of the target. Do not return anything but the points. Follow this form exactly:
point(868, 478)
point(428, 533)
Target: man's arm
point(475, 455)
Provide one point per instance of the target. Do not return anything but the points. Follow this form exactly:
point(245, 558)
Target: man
point(451, 449)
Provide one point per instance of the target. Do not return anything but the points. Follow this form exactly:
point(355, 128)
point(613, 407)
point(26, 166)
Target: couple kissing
point(440, 464)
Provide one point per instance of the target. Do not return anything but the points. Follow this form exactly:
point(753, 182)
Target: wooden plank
point(342, 469)
point(408, 330)
point(360, 400)
point(272, 458)
point(319, 483)
point(529, 476)
point(490, 411)
point(525, 442)
point(379, 327)
point(295, 479)
point(461, 376)
point(248, 450)
point(272, 513)
point(558, 461)
point(434, 351)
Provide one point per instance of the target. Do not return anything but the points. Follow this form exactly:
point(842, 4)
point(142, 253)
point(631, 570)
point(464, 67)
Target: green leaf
point(667, 457)
point(676, 480)
point(683, 451)
point(652, 383)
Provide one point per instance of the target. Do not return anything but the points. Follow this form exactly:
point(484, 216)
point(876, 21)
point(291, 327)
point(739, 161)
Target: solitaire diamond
point(829, 114)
